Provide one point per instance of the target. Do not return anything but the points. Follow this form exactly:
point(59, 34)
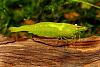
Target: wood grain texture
point(35, 54)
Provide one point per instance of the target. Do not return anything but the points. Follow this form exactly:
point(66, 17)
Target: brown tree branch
point(29, 53)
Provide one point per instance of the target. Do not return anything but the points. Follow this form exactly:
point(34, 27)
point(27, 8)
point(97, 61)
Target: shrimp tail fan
point(21, 28)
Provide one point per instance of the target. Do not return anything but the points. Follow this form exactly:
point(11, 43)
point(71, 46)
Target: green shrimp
point(51, 29)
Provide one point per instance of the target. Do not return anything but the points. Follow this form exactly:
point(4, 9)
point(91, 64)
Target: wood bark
point(30, 53)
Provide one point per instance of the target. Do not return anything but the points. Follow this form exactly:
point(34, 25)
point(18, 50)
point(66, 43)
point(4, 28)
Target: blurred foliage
point(81, 12)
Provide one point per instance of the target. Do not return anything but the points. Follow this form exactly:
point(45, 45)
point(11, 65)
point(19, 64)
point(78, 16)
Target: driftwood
point(30, 53)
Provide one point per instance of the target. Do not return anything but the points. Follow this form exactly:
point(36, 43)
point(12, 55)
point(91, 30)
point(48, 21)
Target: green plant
point(13, 12)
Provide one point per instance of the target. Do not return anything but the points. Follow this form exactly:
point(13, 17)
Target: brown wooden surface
point(36, 54)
